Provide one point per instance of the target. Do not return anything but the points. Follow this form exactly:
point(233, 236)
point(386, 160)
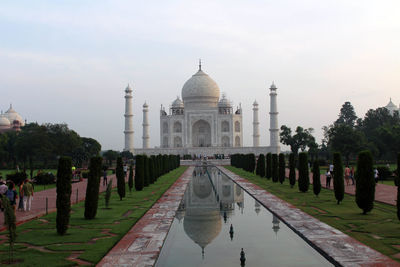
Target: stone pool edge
point(337, 247)
point(142, 244)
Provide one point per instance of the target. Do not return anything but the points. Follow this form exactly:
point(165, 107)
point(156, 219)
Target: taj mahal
point(201, 123)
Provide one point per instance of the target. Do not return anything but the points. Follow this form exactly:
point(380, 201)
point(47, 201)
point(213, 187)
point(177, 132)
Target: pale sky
point(70, 61)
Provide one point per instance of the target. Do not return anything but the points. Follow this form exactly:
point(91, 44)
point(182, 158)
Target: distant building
point(10, 121)
point(391, 107)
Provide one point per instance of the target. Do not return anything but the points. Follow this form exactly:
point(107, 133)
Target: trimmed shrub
point(152, 169)
point(17, 177)
point(268, 170)
point(11, 222)
point(338, 181)
point(147, 171)
point(92, 188)
point(130, 179)
point(292, 169)
point(282, 165)
point(45, 178)
point(275, 173)
point(304, 178)
point(139, 173)
point(260, 170)
point(316, 178)
point(107, 196)
point(365, 185)
point(120, 178)
point(384, 172)
point(85, 174)
point(251, 162)
point(63, 201)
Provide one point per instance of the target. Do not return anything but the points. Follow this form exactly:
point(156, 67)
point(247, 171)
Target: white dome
point(201, 90)
point(4, 122)
point(12, 115)
point(391, 107)
point(224, 102)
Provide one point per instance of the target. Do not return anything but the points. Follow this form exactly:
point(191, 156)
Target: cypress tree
point(261, 166)
point(398, 186)
point(316, 178)
point(92, 188)
point(139, 173)
point(63, 202)
point(275, 173)
point(252, 162)
point(338, 181)
point(120, 178)
point(151, 170)
point(11, 222)
point(292, 169)
point(268, 169)
point(365, 186)
point(146, 171)
point(282, 166)
point(130, 180)
point(304, 179)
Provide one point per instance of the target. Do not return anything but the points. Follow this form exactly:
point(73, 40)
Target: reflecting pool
point(216, 218)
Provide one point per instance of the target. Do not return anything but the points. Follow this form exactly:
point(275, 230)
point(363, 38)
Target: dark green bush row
point(246, 162)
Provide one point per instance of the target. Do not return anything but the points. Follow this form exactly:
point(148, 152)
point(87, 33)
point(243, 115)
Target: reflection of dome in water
point(201, 187)
point(202, 227)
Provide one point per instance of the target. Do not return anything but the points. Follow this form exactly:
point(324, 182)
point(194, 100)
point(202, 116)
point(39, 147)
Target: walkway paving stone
point(329, 241)
point(39, 201)
point(142, 244)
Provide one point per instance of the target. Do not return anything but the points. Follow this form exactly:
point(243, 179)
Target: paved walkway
point(39, 201)
point(142, 244)
point(330, 242)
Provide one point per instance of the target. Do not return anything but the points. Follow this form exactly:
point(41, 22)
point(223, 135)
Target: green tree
point(365, 185)
point(275, 173)
point(63, 201)
point(398, 186)
point(292, 169)
point(260, 170)
point(139, 173)
point(268, 169)
point(130, 180)
point(110, 156)
point(347, 115)
point(304, 179)
point(316, 178)
point(120, 178)
point(282, 166)
point(147, 169)
point(151, 170)
point(338, 182)
point(301, 140)
point(92, 188)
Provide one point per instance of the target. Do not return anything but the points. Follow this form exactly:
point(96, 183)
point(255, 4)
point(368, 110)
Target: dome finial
point(199, 63)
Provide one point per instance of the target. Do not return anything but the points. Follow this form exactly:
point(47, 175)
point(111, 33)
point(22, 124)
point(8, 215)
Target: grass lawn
point(39, 244)
point(380, 229)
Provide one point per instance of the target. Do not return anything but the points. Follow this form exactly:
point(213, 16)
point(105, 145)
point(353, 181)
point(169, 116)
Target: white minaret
point(145, 125)
point(256, 128)
point(273, 124)
point(128, 120)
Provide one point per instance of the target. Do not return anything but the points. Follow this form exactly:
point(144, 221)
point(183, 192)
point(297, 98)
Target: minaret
point(145, 125)
point(256, 128)
point(128, 120)
point(273, 124)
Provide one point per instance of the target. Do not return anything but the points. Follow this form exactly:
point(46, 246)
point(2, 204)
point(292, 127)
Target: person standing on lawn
point(11, 194)
point(28, 195)
point(21, 196)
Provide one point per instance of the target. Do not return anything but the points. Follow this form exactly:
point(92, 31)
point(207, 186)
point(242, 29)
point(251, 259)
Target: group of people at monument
point(9, 192)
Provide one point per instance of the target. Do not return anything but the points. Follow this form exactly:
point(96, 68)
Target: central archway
point(201, 134)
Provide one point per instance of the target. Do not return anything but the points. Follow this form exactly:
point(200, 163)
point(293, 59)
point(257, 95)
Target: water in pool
point(216, 219)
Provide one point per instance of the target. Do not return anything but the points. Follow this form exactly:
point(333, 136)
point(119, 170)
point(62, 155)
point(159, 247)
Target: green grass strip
point(379, 229)
point(38, 243)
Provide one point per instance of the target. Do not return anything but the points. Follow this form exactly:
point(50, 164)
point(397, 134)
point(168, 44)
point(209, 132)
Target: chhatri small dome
point(201, 90)
point(145, 105)
point(177, 103)
point(4, 122)
point(12, 116)
point(224, 102)
point(273, 86)
point(391, 105)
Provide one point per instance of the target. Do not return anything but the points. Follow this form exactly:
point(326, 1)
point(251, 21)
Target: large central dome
point(200, 90)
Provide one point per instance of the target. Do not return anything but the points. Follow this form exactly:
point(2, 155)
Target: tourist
point(376, 175)
point(347, 174)
point(331, 170)
point(104, 177)
point(21, 196)
point(11, 194)
point(352, 175)
point(328, 178)
point(28, 195)
point(125, 169)
point(3, 190)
